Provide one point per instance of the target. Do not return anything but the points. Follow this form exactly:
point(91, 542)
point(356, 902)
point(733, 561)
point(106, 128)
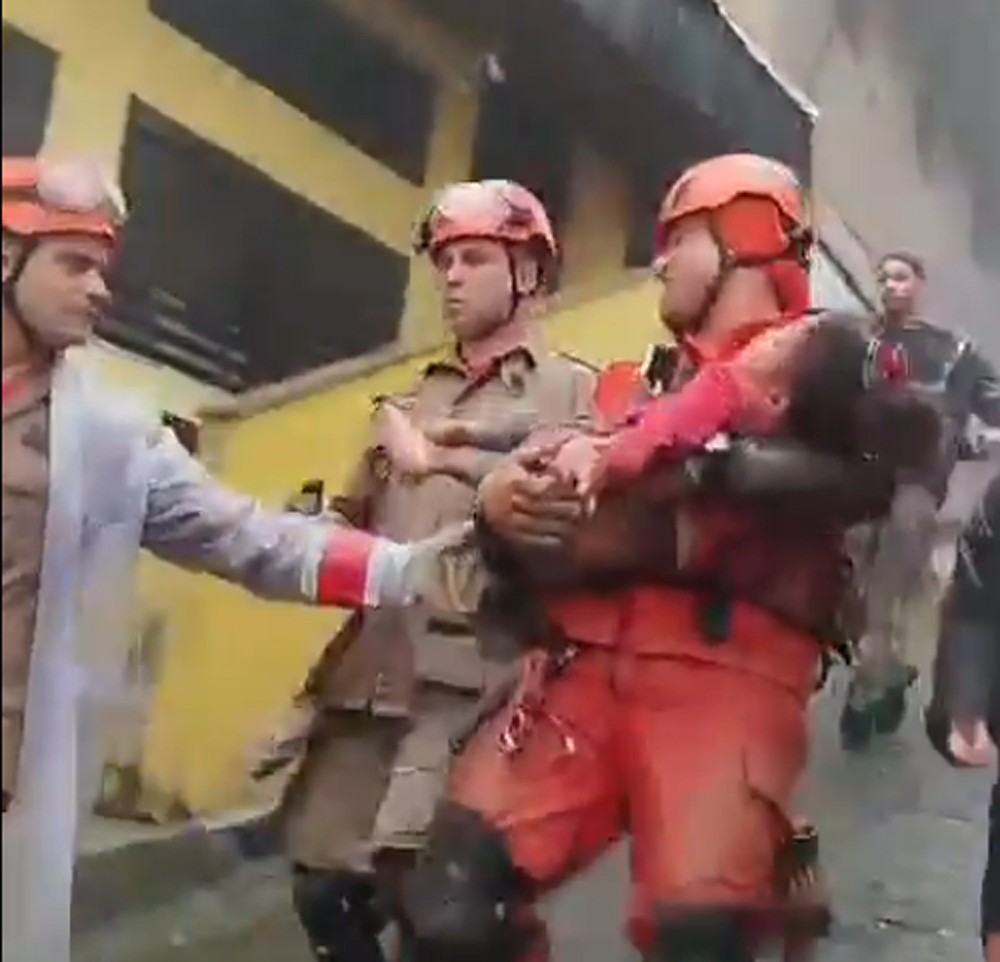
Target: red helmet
point(758, 215)
point(497, 210)
point(42, 198)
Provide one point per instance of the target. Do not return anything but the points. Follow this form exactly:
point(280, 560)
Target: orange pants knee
point(697, 763)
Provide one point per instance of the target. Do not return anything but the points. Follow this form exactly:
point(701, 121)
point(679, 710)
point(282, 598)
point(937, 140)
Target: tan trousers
point(371, 783)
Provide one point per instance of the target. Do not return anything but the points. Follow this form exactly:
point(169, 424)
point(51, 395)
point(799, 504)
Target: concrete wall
point(907, 146)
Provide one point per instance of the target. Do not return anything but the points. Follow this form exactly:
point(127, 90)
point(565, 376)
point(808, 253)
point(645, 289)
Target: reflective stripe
point(344, 576)
point(390, 575)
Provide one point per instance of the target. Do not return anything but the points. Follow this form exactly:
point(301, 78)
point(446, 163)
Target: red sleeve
point(358, 569)
point(343, 577)
point(676, 424)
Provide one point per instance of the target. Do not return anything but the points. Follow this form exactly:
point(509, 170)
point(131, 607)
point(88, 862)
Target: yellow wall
point(160, 387)
point(233, 662)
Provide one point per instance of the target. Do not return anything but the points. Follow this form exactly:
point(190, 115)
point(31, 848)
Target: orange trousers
point(696, 762)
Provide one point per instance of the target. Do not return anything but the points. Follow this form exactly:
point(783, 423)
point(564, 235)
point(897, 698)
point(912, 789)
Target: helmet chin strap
point(714, 290)
point(797, 250)
point(516, 295)
point(515, 292)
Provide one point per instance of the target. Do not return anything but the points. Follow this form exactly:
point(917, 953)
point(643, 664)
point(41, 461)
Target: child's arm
point(747, 393)
point(500, 437)
point(674, 426)
point(467, 464)
point(466, 450)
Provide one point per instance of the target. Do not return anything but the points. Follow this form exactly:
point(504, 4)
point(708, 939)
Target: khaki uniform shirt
point(25, 497)
point(377, 661)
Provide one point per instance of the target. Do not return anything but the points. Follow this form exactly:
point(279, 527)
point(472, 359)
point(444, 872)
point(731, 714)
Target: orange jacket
point(765, 567)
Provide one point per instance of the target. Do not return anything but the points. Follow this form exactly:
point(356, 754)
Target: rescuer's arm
point(194, 522)
point(784, 475)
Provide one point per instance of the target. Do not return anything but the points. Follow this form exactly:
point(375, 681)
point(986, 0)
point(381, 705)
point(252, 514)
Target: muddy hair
point(843, 402)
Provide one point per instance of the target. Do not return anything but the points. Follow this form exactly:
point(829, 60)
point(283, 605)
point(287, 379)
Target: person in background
point(950, 372)
point(963, 719)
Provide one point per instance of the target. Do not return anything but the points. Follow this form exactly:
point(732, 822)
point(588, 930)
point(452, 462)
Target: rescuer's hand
point(524, 501)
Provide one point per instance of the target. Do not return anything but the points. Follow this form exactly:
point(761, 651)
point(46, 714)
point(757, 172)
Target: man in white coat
point(88, 480)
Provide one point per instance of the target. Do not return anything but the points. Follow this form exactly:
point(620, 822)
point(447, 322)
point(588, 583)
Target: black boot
point(857, 722)
point(338, 911)
point(702, 935)
point(890, 710)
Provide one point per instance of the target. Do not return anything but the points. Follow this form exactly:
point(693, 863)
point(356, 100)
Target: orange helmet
point(42, 198)
point(757, 214)
point(491, 209)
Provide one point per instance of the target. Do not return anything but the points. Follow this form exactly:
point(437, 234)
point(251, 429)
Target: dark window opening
point(230, 277)
point(521, 140)
point(29, 70)
point(323, 64)
point(645, 203)
point(648, 190)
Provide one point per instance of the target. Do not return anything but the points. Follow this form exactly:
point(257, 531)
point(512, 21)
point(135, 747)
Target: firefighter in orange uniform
point(669, 711)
